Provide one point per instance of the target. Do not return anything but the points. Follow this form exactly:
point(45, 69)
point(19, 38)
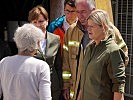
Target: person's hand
point(66, 94)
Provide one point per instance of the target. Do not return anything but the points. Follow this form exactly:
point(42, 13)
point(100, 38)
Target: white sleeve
point(0, 82)
point(45, 83)
point(0, 76)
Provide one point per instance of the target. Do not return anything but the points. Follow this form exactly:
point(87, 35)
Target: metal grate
point(123, 15)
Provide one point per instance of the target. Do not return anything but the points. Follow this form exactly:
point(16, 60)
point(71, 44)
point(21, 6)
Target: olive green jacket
point(103, 71)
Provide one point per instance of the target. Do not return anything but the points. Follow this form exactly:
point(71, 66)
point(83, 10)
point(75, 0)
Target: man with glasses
point(61, 24)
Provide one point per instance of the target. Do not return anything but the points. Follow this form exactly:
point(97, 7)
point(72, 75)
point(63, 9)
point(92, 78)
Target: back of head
point(35, 12)
point(27, 37)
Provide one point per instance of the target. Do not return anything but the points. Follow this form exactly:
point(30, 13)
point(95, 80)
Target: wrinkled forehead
point(86, 4)
point(83, 6)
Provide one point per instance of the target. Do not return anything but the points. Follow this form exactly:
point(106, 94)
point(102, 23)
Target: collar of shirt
point(81, 27)
point(43, 45)
point(65, 24)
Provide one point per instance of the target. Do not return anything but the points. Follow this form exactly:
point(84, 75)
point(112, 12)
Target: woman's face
point(41, 23)
point(95, 31)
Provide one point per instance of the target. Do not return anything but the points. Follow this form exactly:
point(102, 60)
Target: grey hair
point(27, 37)
point(91, 3)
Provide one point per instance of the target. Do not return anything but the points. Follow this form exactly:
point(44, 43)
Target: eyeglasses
point(68, 11)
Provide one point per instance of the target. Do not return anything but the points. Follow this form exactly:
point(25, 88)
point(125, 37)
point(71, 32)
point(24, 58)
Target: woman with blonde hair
point(103, 73)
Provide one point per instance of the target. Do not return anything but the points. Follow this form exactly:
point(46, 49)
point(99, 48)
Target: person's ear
point(104, 27)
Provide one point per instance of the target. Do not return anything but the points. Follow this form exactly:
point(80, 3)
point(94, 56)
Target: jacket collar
point(81, 27)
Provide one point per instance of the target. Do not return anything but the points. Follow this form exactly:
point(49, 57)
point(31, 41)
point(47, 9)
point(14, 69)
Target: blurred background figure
point(22, 76)
point(49, 50)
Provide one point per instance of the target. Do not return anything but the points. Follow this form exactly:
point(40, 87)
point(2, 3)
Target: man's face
point(83, 12)
point(70, 13)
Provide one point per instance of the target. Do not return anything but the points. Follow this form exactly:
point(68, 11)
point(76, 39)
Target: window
point(123, 18)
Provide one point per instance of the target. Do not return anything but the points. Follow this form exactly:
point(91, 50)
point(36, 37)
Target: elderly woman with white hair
point(103, 73)
point(23, 77)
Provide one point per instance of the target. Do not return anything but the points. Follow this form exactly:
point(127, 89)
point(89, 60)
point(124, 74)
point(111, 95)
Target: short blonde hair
point(100, 17)
point(36, 11)
point(27, 37)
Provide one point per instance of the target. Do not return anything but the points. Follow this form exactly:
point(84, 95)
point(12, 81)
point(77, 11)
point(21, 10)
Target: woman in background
point(49, 50)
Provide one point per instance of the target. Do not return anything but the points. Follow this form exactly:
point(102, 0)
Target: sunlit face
point(95, 31)
point(41, 23)
point(83, 12)
point(70, 13)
